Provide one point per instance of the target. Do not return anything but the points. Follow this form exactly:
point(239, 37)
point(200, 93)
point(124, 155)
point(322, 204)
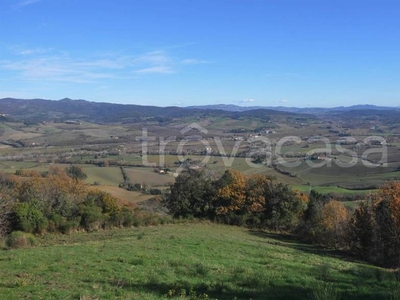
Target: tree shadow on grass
point(225, 291)
point(291, 241)
point(219, 290)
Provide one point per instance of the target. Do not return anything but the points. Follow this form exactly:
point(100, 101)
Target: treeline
point(59, 201)
point(236, 199)
point(370, 231)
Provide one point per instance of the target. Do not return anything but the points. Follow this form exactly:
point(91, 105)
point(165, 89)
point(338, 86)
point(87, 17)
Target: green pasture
point(103, 175)
point(185, 261)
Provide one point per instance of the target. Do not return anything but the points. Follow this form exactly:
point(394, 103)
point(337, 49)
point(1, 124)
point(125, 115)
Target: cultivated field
point(37, 145)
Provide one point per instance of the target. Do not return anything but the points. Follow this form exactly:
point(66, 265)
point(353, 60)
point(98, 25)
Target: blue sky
point(191, 52)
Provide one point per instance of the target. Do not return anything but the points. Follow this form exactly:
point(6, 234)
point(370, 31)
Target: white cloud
point(48, 64)
point(192, 61)
point(247, 101)
point(284, 101)
point(156, 70)
point(154, 57)
point(34, 51)
point(25, 3)
point(155, 62)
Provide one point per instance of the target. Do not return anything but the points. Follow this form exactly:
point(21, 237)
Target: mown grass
point(120, 193)
point(148, 176)
point(187, 260)
point(332, 190)
point(103, 175)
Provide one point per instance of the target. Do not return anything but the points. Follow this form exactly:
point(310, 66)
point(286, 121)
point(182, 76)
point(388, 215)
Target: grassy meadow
point(185, 261)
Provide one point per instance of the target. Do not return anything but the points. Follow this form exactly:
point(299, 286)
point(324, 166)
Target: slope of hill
point(66, 109)
point(307, 110)
point(185, 261)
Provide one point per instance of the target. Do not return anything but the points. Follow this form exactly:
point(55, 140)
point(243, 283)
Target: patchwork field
point(36, 145)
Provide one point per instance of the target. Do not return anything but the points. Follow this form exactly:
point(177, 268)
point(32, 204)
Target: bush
point(19, 239)
point(128, 217)
point(324, 291)
point(76, 173)
point(30, 219)
point(55, 222)
point(69, 226)
point(91, 217)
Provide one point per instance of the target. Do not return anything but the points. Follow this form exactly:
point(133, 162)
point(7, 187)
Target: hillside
point(185, 261)
point(67, 109)
point(306, 110)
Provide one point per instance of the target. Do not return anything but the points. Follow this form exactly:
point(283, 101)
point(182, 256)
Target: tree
point(334, 224)
point(309, 229)
point(232, 196)
point(387, 224)
point(387, 235)
point(190, 195)
point(76, 173)
point(105, 201)
point(375, 227)
point(283, 207)
point(8, 195)
point(6, 209)
point(255, 193)
point(362, 231)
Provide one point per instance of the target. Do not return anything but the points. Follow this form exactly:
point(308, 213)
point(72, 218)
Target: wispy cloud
point(192, 61)
point(24, 3)
point(155, 62)
point(156, 70)
point(283, 101)
point(48, 64)
point(283, 74)
point(35, 51)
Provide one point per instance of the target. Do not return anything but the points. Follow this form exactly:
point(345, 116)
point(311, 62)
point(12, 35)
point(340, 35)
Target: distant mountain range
point(307, 110)
point(67, 109)
point(37, 110)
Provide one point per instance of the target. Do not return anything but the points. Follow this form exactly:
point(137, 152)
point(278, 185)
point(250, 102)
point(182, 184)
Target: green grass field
point(186, 261)
point(120, 193)
point(331, 190)
point(148, 176)
point(103, 175)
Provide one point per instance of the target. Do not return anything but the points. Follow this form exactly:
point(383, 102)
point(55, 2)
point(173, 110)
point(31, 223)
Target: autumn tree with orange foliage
point(334, 223)
point(231, 197)
point(255, 196)
point(236, 199)
point(57, 202)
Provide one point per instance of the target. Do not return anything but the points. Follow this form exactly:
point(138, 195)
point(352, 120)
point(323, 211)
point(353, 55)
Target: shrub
point(91, 217)
point(76, 173)
point(69, 226)
point(30, 219)
point(324, 291)
point(55, 222)
point(127, 217)
point(19, 239)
